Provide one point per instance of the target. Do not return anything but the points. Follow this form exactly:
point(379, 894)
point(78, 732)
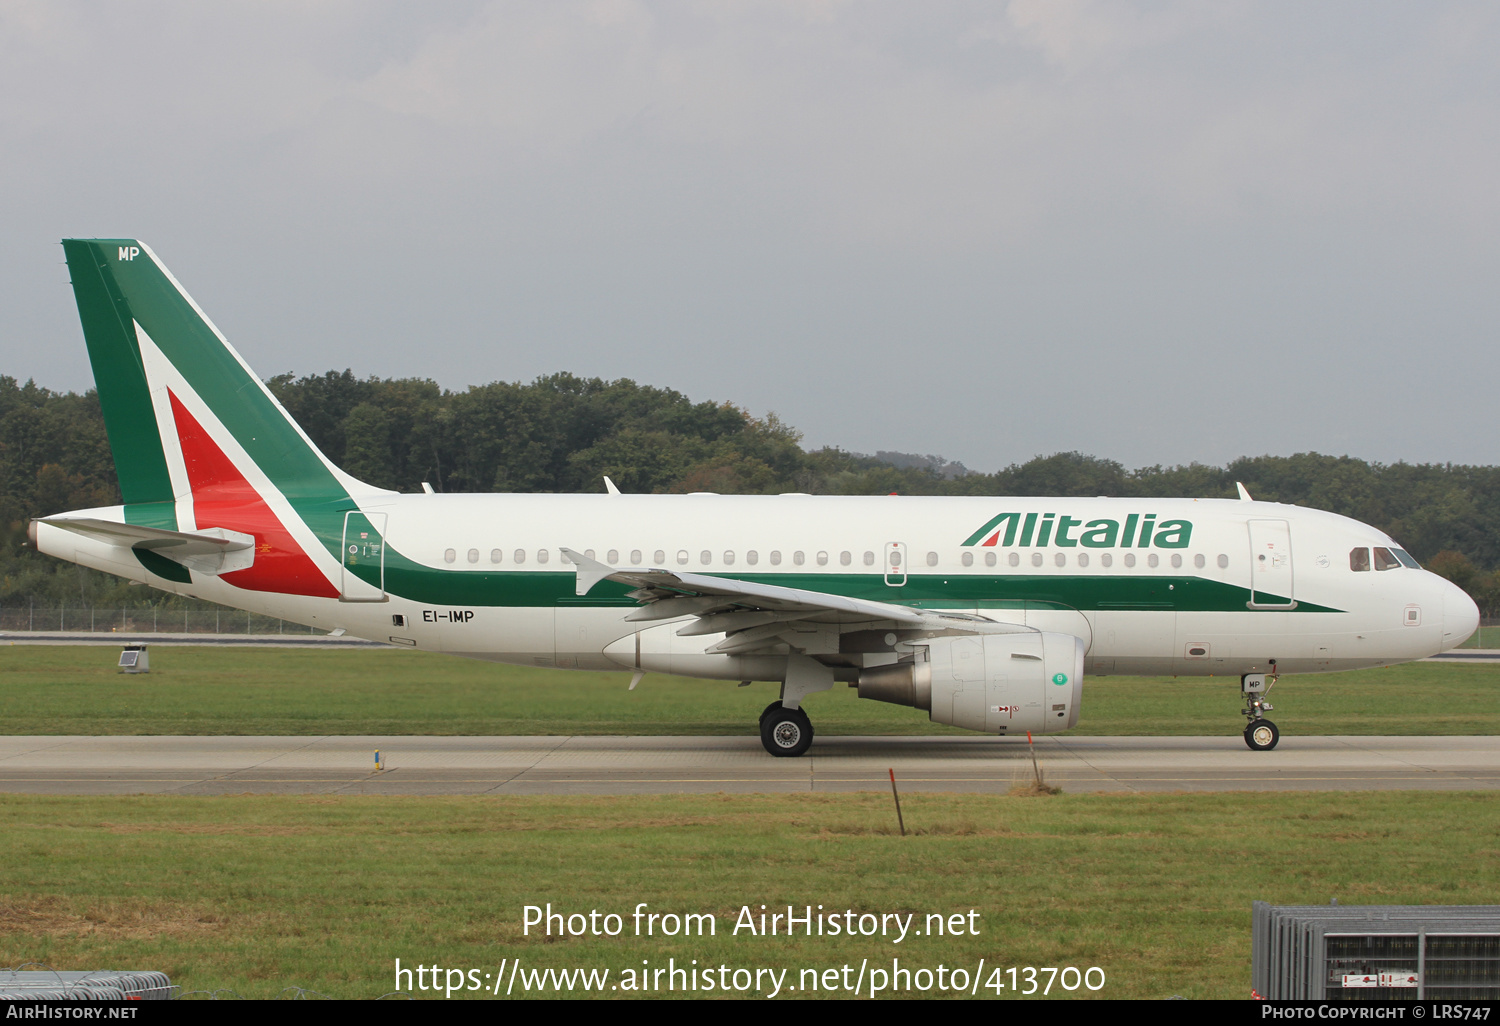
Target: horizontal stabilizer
point(212, 552)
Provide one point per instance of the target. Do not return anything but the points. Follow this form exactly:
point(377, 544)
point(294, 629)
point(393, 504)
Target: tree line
point(563, 433)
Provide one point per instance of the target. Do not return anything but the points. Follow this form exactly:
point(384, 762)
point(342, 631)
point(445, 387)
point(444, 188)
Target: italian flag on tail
point(199, 443)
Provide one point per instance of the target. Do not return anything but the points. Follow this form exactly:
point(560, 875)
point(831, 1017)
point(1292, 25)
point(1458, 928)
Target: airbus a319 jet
point(984, 613)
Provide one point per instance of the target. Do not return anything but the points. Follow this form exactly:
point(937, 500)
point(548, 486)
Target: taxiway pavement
point(666, 765)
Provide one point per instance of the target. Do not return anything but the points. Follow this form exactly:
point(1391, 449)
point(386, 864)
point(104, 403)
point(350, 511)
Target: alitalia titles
point(1043, 530)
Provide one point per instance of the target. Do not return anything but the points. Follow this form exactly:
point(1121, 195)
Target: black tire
point(786, 733)
point(1262, 735)
point(768, 710)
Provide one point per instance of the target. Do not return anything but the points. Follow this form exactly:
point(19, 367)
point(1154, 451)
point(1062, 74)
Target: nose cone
point(1460, 616)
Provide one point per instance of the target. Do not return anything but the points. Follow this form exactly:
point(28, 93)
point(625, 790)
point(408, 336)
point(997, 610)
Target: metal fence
point(1487, 636)
point(88, 619)
point(1375, 952)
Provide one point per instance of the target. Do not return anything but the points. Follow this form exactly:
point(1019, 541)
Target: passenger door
point(1271, 585)
point(363, 547)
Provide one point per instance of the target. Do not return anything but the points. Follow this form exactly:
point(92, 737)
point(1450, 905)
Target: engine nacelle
point(998, 683)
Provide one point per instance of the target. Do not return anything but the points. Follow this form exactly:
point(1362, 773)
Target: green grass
point(206, 690)
point(1484, 637)
point(260, 893)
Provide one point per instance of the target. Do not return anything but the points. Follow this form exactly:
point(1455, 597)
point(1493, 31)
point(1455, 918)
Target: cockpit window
point(1406, 559)
point(1385, 561)
point(1359, 559)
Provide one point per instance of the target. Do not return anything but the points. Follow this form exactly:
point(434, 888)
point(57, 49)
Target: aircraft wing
point(669, 593)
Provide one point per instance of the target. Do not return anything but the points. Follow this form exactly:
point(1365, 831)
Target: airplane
point(984, 612)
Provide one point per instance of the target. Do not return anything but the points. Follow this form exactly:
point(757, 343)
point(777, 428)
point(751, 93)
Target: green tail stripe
point(120, 378)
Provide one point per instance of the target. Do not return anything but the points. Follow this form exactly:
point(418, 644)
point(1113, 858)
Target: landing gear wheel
point(768, 710)
point(785, 733)
point(1262, 735)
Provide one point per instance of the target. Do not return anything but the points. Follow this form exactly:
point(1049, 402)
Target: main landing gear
point(1261, 734)
point(785, 732)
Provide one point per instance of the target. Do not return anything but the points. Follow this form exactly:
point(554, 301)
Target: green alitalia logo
point(1059, 679)
point(1043, 530)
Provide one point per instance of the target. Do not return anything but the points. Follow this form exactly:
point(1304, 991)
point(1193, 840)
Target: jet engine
point(998, 683)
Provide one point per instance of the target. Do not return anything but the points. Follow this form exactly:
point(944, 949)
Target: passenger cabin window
point(1153, 560)
point(869, 559)
point(845, 558)
point(1359, 559)
point(1036, 559)
point(798, 558)
point(705, 557)
point(752, 557)
point(661, 556)
point(1199, 561)
point(1130, 559)
point(1105, 559)
point(775, 557)
point(822, 559)
point(1083, 559)
point(932, 559)
point(1385, 560)
point(1015, 559)
point(473, 555)
point(520, 555)
point(541, 555)
point(612, 557)
point(729, 558)
point(1223, 561)
point(1060, 559)
point(635, 557)
point(496, 556)
point(968, 559)
point(990, 559)
point(682, 557)
point(1176, 560)
point(449, 555)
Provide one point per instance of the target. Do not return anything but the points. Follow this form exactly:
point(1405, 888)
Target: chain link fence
point(86, 619)
point(1487, 636)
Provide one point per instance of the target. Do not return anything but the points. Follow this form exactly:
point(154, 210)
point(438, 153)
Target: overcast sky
point(1155, 232)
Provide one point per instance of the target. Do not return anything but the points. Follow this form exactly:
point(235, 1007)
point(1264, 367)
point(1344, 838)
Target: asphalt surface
point(668, 765)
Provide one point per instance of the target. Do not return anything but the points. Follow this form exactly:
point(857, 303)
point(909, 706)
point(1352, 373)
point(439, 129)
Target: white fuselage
point(1197, 608)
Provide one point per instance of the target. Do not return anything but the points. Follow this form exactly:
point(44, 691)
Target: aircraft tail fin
point(164, 372)
point(198, 440)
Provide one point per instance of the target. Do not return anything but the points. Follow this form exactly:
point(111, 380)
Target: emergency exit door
point(895, 564)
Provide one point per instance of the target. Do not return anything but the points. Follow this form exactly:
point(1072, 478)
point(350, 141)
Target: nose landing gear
point(1261, 734)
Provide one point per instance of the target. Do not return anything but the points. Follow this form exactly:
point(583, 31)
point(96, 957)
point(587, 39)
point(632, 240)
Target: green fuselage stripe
point(417, 583)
